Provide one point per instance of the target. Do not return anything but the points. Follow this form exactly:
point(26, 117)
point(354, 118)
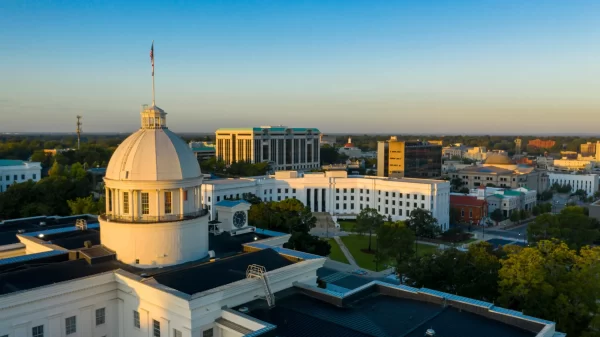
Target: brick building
point(541, 143)
point(471, 209)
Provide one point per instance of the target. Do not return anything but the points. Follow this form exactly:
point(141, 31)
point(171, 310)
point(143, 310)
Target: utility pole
point(78, 131)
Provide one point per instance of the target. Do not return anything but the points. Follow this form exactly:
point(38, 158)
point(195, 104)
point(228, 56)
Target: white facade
point(567, 165)
point(285, 148)
point(120, 294)
point(17, 171)
point(339, 194)
point(586, 182)
point(154, 216)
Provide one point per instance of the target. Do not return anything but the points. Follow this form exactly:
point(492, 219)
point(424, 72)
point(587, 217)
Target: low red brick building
point(541, 143)
point(470, 209)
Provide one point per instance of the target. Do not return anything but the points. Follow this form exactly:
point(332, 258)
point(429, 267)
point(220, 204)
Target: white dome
point(153, 155)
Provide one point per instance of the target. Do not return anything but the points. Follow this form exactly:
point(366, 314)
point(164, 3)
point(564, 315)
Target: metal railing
point(153, 218)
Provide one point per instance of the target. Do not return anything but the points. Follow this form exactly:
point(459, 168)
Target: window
point(169, 202)
point(344, 206)
point(361, 198)
point(462, 212)
point(279, 198)
point(393, 194)
point(415, 205)
point(34, 176)
point(265, 192)
point(345, 197)
point(7, 178)
point(351, 190)
point(279, 190)
point(470, 212)
point(136, 319)
point(351, 206)
point(393, 211)
point(400, 195)
point(400, 212)
point(400, 203)
point(367, 191)
point(126, 202)
point(176, 333)
point(293, 190)
point(145, 204)
point(408, 196)
point(337, 197)
point(337, 190)
point(207, 333)
point(22, 176)
point(100, 316)
point(70, 325)
point(386, 210)
point(387, 194)
point(15, 177)
point(337, 206)
point(286, 190)
point(415, 197)
point(422, 197)
point(218, 198)
point(155, 328)
point(422, 205)
point(361, 190)
point(37, 331)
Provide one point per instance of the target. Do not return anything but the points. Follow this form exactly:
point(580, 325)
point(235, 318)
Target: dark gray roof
point(298, 315)
point(198, 278)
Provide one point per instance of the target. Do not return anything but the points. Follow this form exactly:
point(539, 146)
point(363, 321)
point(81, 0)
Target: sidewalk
point(345, 250)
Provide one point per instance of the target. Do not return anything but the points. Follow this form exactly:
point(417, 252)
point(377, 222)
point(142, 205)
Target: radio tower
point(78, 131)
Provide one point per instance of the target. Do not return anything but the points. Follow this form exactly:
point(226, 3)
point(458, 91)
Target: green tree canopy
point(423, 224)
point(368, 221)
point(396, 243)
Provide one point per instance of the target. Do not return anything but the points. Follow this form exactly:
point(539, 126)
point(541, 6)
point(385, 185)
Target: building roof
point(486, 169)
point(498, 159)
point(271, 129)
point(466, 200)
point(11, 162)
point(153, 155)
point(195, 279)
point(299, 315)
point(231, 203)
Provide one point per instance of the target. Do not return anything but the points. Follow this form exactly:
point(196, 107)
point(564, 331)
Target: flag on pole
point(152, 57)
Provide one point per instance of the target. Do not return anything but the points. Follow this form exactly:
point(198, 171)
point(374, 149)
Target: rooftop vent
point(243, 310)
point(81, 224)
point(430, 332)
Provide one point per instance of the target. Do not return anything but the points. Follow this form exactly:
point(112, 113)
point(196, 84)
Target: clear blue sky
point(356, 66)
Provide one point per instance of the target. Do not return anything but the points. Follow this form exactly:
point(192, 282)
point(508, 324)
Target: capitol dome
point(153, 153)
point(498, 159)
point(154, 212)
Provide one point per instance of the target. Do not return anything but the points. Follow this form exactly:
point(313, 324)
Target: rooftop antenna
point(152, 60)
point(78, 131)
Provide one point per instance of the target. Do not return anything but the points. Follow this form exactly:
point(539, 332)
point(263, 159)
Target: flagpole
point(153, 100)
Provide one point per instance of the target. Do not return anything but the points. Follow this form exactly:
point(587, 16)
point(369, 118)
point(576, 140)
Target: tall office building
point(410, 159)
point(285, 148)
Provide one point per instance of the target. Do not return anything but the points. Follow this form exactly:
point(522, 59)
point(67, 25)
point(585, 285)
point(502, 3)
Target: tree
point(582, 194)
point(395, 242)
point(515, 216)
point(423, 224)
point(454, 215)
point(497, 215)
point(473, 273)
point(456, 183)
point(286, 216)
point(546, 195)
point(464, 190)
point(552, 282)
point(85, 205)
point(304, 242)
point(56, 170)
point(535, 210)
point(77, 172)
point(523, 214)
point(368, 221)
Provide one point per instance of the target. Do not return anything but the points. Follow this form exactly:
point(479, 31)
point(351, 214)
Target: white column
point(106, 194)
point(117, 197)
point(113, 200)
point(181, 201)
point(132, 204)
point(158, 203)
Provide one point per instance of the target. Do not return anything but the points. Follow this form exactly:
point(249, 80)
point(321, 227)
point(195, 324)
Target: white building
point(571, 165)
point(18, 171)
point(285, 148)
point(586, 182)
point(339, 194)
point(350, 150)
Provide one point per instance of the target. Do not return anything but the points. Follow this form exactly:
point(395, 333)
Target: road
point(517, 233)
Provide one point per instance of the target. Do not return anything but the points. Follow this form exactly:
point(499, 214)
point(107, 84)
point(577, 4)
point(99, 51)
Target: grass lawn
point(346, 225)
point(357, 242)
point(336, 253)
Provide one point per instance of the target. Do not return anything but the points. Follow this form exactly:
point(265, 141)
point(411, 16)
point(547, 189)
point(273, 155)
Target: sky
point(438, 67)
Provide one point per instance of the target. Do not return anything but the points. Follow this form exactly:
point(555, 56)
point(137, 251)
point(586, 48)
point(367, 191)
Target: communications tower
point(78, 131)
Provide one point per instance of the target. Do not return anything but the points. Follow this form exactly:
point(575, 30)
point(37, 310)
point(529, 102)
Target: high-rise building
point(518, 144)
point(410, 159)
point(589, 149)
point(285, 148)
